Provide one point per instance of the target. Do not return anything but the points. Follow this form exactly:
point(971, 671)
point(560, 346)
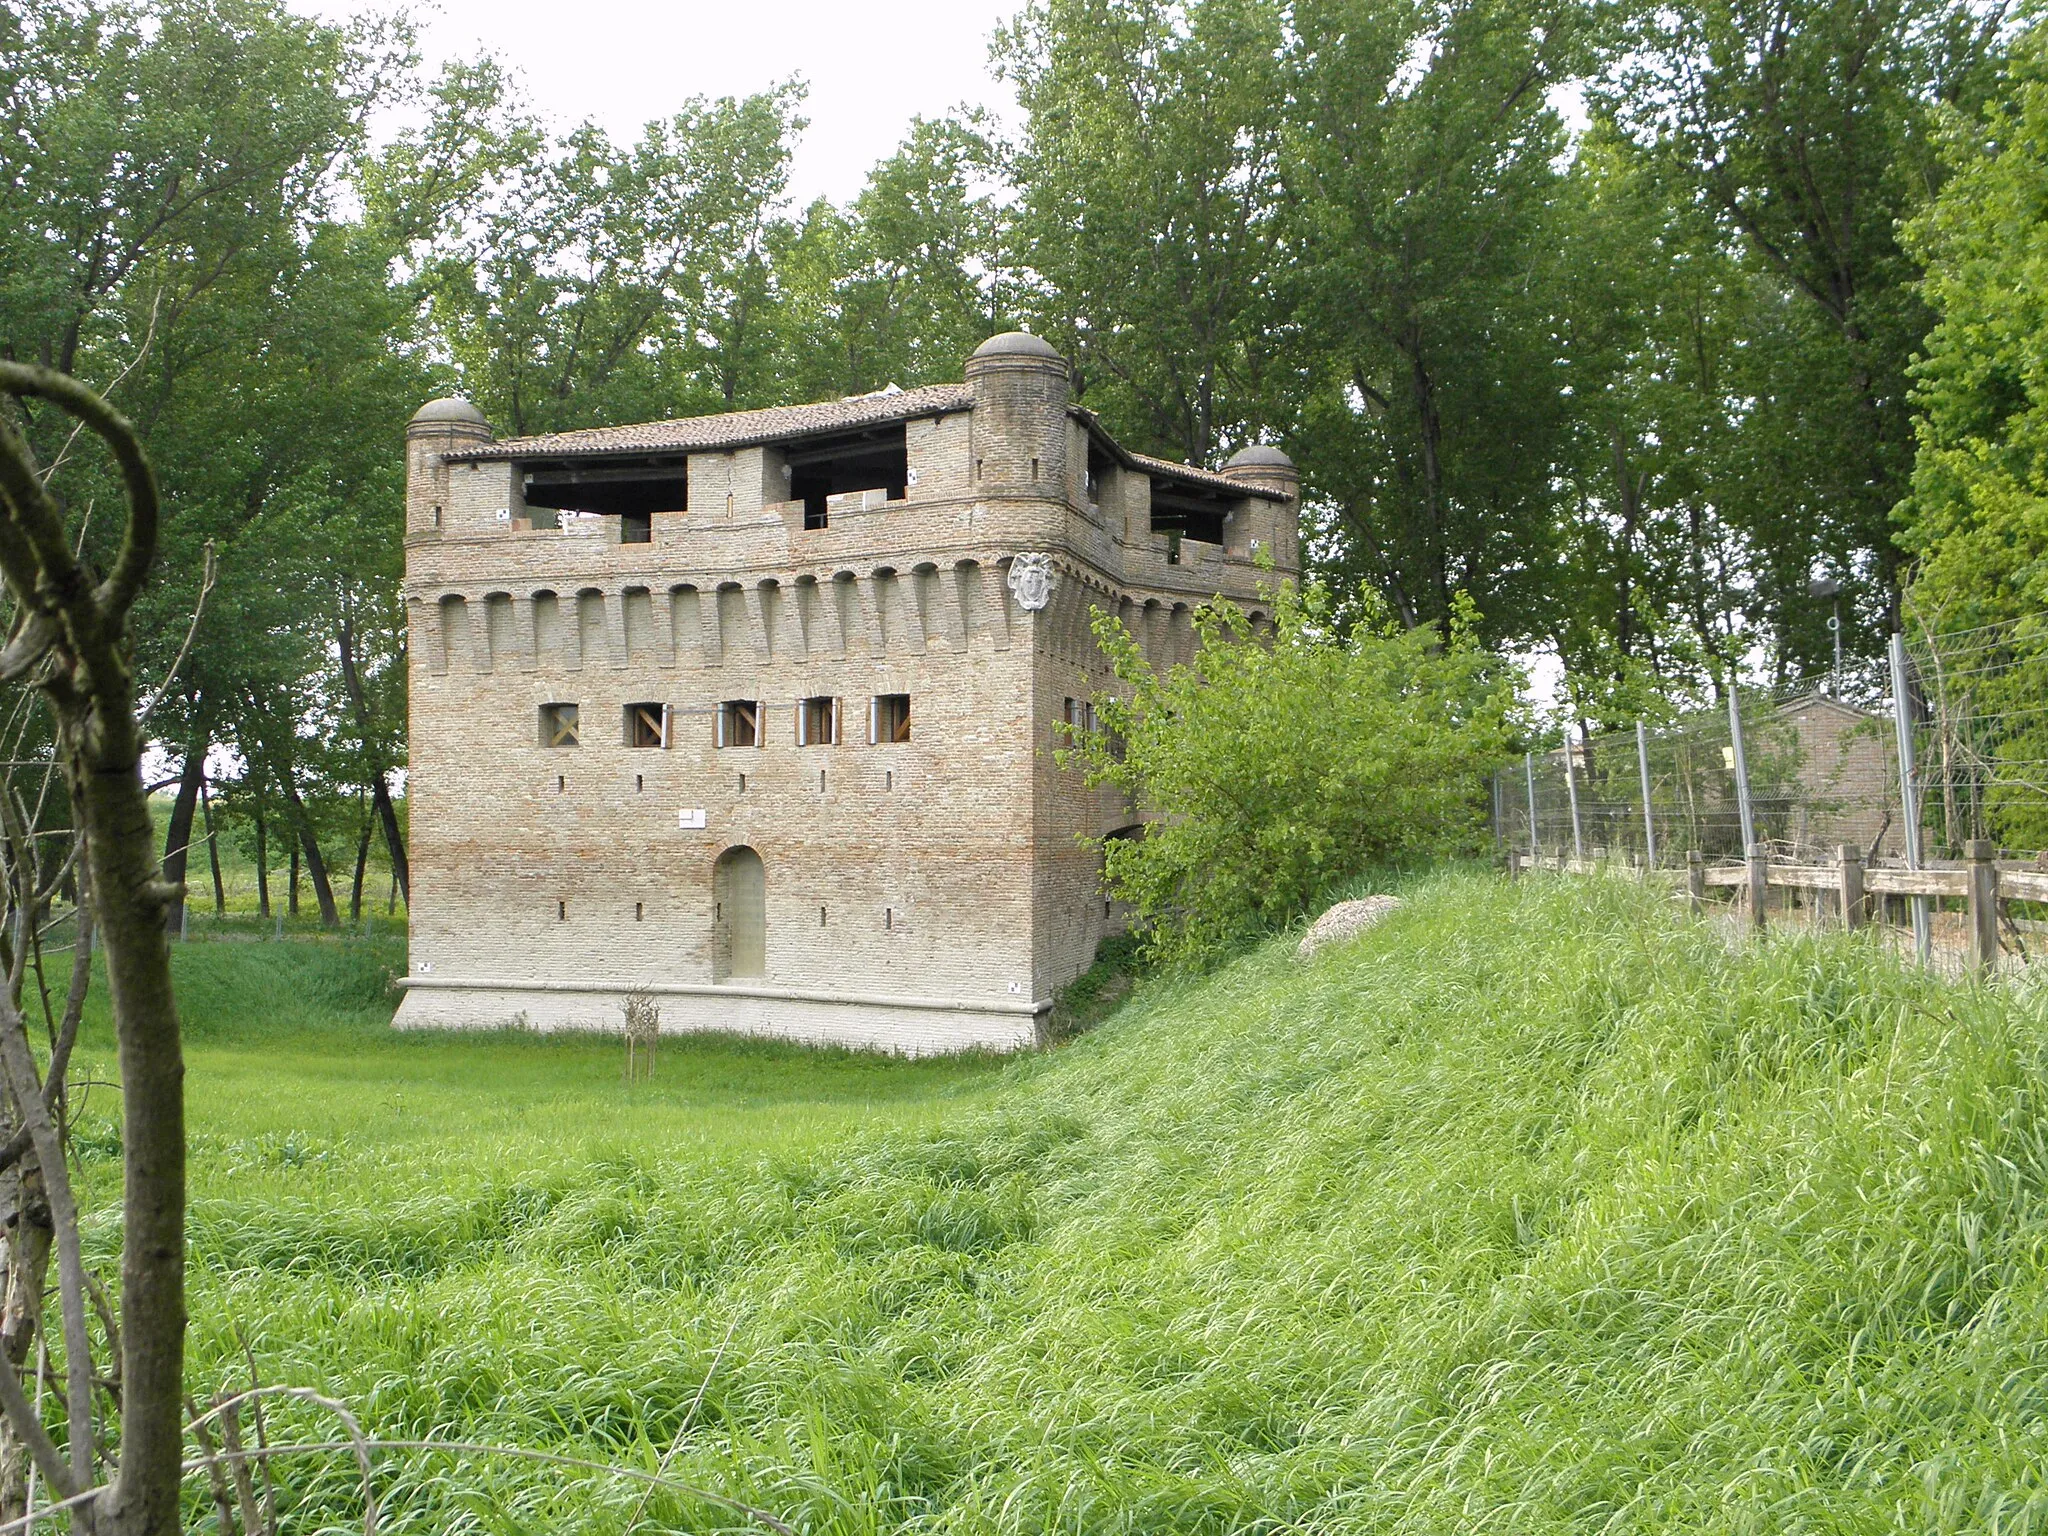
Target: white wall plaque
point(691, 818)
point(1031, 581)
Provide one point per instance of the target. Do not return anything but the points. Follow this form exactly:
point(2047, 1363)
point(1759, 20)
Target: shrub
point(1281, 766)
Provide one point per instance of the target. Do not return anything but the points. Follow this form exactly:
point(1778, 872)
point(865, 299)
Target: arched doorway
point(739, 926)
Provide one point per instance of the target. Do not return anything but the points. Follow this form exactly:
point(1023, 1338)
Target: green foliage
point(1426, 159)
point(1977, 517)
point(581, 281)
point(172, 212)
point(900, 287)
point(1653, 587)
point(1278, 767)
point(1098, 991)
point(1806, 132)
point(1148, 218)
point(156, 156)
point(1532, 1210)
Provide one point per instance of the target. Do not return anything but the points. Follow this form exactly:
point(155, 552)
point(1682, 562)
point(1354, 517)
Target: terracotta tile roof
point(1207, 478)
point(735, 429)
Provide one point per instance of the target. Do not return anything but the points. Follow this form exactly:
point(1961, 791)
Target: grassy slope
point(1533, 1210)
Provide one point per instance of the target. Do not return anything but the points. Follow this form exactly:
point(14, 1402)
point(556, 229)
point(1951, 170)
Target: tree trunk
point(387, 814)
point(84, 672)
point(220, 890)
point(1628, 488)
point(105, 763)
point(316, 866)
point(355, 895)
point(291, 904)
point(28, 1241)
point(1429, 439)
point(178, 839)
point(380, 791)
point(262, 868)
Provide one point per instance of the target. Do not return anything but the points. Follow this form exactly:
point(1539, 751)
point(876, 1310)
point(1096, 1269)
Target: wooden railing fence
point(1985, 886)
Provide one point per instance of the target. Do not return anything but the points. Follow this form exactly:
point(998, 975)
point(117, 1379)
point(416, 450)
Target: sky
point(871, 67)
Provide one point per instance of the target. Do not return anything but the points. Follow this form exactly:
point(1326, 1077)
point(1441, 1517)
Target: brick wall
point(926, 895)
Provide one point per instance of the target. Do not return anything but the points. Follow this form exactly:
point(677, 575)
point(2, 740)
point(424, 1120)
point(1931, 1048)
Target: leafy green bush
point(1281, 766)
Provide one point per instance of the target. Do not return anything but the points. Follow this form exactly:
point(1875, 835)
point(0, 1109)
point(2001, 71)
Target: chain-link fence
point(1808, 774)
point(1799, 768)
point(1981, 706)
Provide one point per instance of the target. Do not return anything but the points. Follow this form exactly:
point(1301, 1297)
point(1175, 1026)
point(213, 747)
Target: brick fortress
point(758, 712)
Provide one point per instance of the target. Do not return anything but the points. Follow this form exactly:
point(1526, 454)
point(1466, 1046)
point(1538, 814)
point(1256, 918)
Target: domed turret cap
point(1259, 456)
point(449, 408)
point(1017, 344)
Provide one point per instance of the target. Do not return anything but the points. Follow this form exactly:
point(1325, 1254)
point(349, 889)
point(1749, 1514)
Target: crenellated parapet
point(701, 620)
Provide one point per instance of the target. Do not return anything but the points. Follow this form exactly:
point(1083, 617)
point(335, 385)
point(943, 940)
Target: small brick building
point(758, 712)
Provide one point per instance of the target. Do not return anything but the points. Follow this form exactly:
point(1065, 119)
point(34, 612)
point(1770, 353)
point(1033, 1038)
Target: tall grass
point(1532, 1210)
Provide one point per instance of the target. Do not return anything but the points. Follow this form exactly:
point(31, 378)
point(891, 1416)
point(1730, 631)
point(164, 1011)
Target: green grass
point(298, 1089)
point(1533, 1210)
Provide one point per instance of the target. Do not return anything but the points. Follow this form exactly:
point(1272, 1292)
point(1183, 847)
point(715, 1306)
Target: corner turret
point(1021, 389)
point(1275, 525)
point(438, 429)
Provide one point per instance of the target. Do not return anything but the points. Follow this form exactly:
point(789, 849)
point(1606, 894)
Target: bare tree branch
point(141, 351)
point(28, 1424)
point(156, 695)
point(37, 515)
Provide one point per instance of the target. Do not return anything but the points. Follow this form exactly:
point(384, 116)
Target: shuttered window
point(647, 725)
point(559, 726)
point(817, 722)
point(889, 719)
point(739, 723)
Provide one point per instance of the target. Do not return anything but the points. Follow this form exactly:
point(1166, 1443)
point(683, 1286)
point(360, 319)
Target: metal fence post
point(1851, 858)
point(1759, 883)
point(1982, 854)
point(1649, 821)
point(1571, 788)
point(1535, 848)
point(1741, 768)
point(1909, 795)
point(1499, 831)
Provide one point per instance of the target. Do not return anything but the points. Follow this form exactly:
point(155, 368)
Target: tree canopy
point(1621, 324)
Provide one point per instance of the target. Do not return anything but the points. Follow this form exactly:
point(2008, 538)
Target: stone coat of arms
point(1031, 581)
